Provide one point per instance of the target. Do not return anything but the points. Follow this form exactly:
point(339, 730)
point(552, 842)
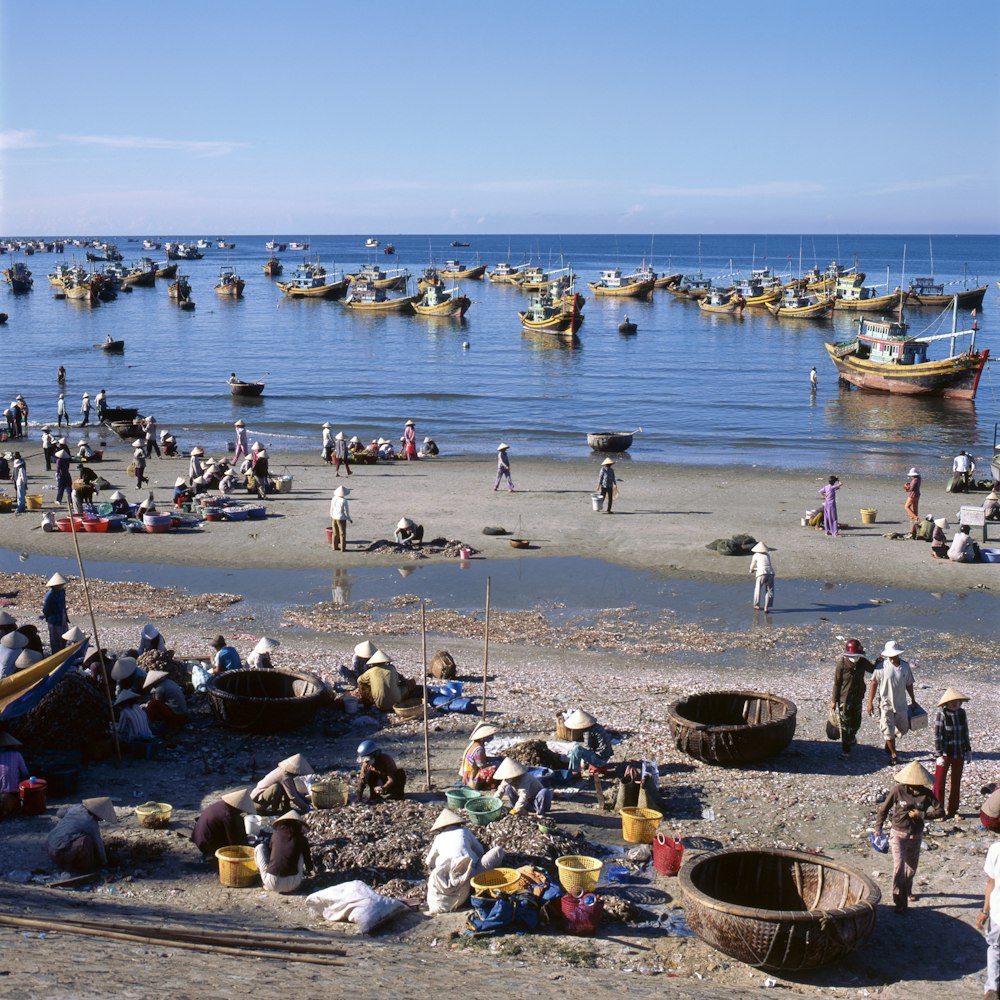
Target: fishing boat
point(166, 270)
point(613, 283)
point(668, 280)
point(141, 274)
point(151, 245)
point(817, 280)
point(18, 277)
point(437, 302)
point(458, 272)
point(84, 288)
point(275, 247)
point(429, 279)
point(182, 251)
point(229, 283)
point(795, 303)
point(883, 357)
point(459, 243)
point(545, 316)
point(273, 267)
point(298, 246)
point(505, 273)
point(363, 296)
point(690, 286)
point(180, 291)
point(202, 244)
point(561, 290)
point(851, 296)
point(612, 440)
point(237, 387)
point(760, 289)
point(534, 279)
point(371, 243)
point(309, 281)
point(113, 346)
point(389, 249)
point(394, 279)
point(927, 294)
point(721, 300)
point(221, 244)
point(62, 271)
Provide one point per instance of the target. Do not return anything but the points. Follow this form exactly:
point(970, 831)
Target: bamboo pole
point(93, 622)
point(486, 645)
point(423, 651)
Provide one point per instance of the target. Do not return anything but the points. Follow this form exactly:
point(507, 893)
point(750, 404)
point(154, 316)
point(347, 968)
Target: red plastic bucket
point(667, 855)
point(581, 914)
point(329, 535)
point(32, 797)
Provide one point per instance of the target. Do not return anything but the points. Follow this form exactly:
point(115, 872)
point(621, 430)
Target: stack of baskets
point(237, 868)
point(578, 873)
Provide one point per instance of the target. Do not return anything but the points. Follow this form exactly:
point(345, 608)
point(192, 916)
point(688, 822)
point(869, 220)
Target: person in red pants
point(951, 744)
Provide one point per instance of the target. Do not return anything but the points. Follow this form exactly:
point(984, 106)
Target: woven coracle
point(778, 910)
point(265, 701)
point(732, 727)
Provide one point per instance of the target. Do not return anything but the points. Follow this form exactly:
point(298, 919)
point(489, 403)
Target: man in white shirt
point(340, 514)
point(991, 905)
point(762, 568)
point(963, 466)
point(963, 548)
point(893, 681)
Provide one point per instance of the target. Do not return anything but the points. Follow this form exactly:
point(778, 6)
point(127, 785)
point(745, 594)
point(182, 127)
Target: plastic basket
point(329, 794)
point(639, 825)
point(667, 855)
point(459, 798)
point(578, 873)
point(868, 515)
point(6, 504)
point(33, 501)
point(154, 815)
point(496, 880)
point(237, 868)
point(484, 810)
point(581, 913)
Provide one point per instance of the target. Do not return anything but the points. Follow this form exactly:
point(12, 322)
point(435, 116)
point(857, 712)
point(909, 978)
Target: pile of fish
point(525, 844)
point(535, 753)
point(434, 547)
point(156, 659)
point(72, 716)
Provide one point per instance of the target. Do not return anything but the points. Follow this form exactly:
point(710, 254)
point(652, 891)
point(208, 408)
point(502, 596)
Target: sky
point(566, 117)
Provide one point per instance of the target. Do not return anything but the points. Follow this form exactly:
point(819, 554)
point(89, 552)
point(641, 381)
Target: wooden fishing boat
point(732, 727)
point(925, 293)
point(760, 289)
point(221, 244)
point(113, 347)
point(719, 300)
point(166, 270)
point(884, 358)
point(18, 277)
point(151, 245)
point(668, 280)
point(505, 273)
point(182, 251)
point(533, 279)
point(857, 298)
point(309, 281)
point(229, 283)
point(612, 440)
point(780, 910)
point(240, 388)
point(613, 283)
point(454, 269)
point(690, 286)
point(64, 271)
point(394, 279)
point(273, 267)
point(437, 302)
point(363, 296)
point(142, 274)
point(826, 280)
point(430, 278)
point(85, 289)
point(796, 304)
point(273, 246)
point(180, 290)
point(544, 316)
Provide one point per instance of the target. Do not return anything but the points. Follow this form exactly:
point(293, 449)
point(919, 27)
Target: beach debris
point(435, 547)
point(738, 545)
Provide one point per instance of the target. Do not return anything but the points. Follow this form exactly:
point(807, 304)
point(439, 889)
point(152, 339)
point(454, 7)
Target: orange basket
point(237, 867)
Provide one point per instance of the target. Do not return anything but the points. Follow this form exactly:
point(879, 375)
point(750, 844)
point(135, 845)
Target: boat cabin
point(886, 343)
point(696, 282)
point(613, 278)
point(453, 265)
point(925, 286)
point(850, 291)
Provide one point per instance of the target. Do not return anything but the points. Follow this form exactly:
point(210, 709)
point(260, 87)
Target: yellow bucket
point(6, 504)
point(639, 825)
point(868, 515)
point(33, 501)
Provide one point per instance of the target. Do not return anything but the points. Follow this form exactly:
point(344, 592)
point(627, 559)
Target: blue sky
point(252, 117)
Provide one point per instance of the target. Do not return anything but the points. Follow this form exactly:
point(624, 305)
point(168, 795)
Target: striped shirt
point(951, 733)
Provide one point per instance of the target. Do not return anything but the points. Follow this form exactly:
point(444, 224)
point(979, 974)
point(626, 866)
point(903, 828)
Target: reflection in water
point(539, 341)
point(342, 584)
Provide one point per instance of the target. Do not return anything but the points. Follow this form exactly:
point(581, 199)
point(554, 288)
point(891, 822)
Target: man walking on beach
point(340, 514)
point(61, 413)
point(503, 468)
point(893, 681)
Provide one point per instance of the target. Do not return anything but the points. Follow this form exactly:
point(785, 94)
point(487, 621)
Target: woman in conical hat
point(13, 766)
point(277, 791)
point(75, 843)
point(54, 611)
point(593, 746)
point(906, 807)
point(283, 862)
point(455, 846)
point(522, 790)
point(221, 824)
point(259, 657)
point(475, 770)
point(952, 746)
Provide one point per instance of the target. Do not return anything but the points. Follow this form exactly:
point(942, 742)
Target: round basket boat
point(611, 440)
point(265, 701)
point(778, 910)
point(732, 727)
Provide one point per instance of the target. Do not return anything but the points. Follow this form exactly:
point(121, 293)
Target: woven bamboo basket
point(778, 910)
point(154, 815)
point(413, 708)
point(328, 794)
point(265, 701)
point(639, 825)
point(732, 727)
point(565, 733)
point(237, 868)
point(578, 873)
point(496, 880)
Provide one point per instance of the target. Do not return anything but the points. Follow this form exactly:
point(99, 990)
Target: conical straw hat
point(579, 720)
point(125, 667)
point(6, 740)
point(365, 649)
point(266, 645)
point(240, 799)
point(483, 731)
point(914, 774)
point(760, 547)
point(102, 808)
point(127, 696)
point(153, 678)
point(296, 764)
point(73, 635)
point(446, 818)
point(378, 658)
point(952, 695)
point(291, 815)
point(508, 769)
point(56, 580)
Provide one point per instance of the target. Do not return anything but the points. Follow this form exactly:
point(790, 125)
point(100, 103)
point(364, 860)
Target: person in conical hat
point(762, 570)
point(521, 789)
point(893, 682)
point(379, 686)
point(284, 860)
point(11, 646)
point(455, 850)
point(991, 512)
point(363, 651)
point(430, 447)
point(475, 770)
point(277, 791)
point(7, 623)
point(221, 824)
point(166, 709)
point(73, 634)
point(912, 488)
point(503, 467)
point(340, 515)
point(27, 658)
point(75, 843)
point(54, 611)
point(847, 700)
point(906, 807)
point(939, 540)
point(259, 657)
point(341, 454)
point(952, 746)
point(593, 747)
point(14, 771)
point(408, 532)
point(133, 723)
point(150, 638)
point(410, 441)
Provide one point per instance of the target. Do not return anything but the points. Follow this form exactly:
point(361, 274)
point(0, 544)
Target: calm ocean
point(705, 389)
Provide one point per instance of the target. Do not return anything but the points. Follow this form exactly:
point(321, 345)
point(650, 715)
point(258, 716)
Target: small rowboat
point(612, 440)
point(238, 388)
point(113, 346)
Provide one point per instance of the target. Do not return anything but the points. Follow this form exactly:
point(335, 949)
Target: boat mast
point(930, 244)
point(902, 282)
point(954, 326)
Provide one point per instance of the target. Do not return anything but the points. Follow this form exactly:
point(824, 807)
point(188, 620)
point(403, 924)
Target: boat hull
point(952, 378)
point(246, 388)
point(881, 303)
point(510, 278)
point(471, 274)
point(562, 324)
point(115, 347)
point(454, 308)
point(333, 290)
point(667, 280)
point(231, 289)
point(636, 290)
point(169, 271)
point(818, 310)
point(970, 298)
point(402, 304)
point(144, 279)
point(730, 307)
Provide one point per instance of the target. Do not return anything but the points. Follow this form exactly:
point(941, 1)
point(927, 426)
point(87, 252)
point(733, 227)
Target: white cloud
point(928, 184)
point(20, 139)
point(761, 189)
point(632, 210)
point(196, 147)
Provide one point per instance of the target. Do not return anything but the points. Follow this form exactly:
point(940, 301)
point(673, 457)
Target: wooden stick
point(93, 622)
point(423, 652)
point(486, 644)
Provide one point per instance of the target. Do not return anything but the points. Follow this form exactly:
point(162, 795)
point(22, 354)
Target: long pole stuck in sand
point(423, 651)
point(486, 644)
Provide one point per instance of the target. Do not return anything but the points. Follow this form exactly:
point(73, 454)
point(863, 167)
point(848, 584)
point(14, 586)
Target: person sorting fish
point(522, 790)
point(276, 792)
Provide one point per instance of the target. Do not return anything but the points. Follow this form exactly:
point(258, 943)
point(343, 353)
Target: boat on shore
point(456, 271)
point(229, 283)
point(926, 293)
point(394, 279)
point(363, 296)
point(436, 301)
point(796, 303)
point(612, 283)
point(723, 301)
point(310, 281)
point(273, 267)
point(883, 357)
point(237, 387)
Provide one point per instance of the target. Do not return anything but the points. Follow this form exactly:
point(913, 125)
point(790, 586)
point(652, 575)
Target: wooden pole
point(93, 623)
point(423, 651)
point(486, 645)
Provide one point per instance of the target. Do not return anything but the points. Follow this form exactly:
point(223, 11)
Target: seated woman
point(363, 652)
point(521, 789)
point(385, 451)
point(409, 533)
point(84, 488)
point(221, 824)
point(963, 548)
point(150, 638)
point(989, 812)
point(259, 657)
point(148, 506)
point(83, 451)
point(991, 506)
point(430, 448)
point(119, 503)
point(213, 475)
point(167, 707)
point(182, 492)
point(168, 444)
point(455, 841)
point(939, 540)
point(276, 792)
point(133, 725)
point(129, 675)
point(379, 774)
point(75, 842)
point(476, 771)
point(283, 862)
point(594, 746)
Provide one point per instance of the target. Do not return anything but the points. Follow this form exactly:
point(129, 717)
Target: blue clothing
point(227, 659)
point(54, 607)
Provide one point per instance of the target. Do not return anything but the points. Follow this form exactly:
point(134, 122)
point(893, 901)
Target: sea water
point(705, 389)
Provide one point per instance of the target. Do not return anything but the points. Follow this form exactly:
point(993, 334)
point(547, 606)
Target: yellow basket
point(328, 794)
point(34, 501)
point(868, 515)
point(154, 815)
point(578, 873)
point(6, 504)
point(237, 868)
point(639, 825)
point(496, 880)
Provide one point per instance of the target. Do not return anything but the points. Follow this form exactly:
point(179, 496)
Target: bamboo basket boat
point(732, 727)
point(612, 440)
point(779, 910)
point(265, 701)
